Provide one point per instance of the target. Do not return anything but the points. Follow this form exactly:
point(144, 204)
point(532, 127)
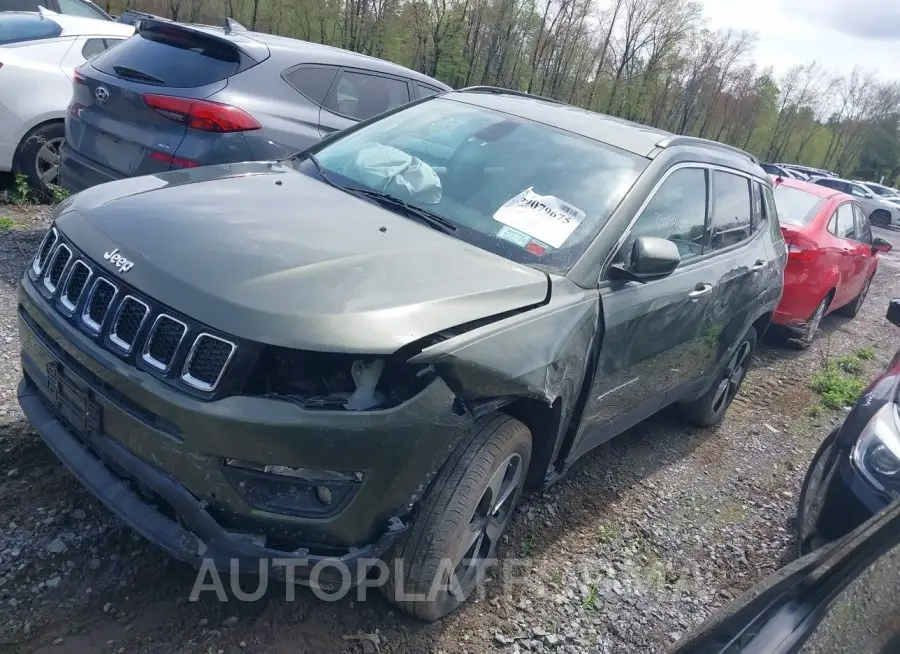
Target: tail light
point(202, 114)
point(802, 249)
point(78, 78)
point(180, 162)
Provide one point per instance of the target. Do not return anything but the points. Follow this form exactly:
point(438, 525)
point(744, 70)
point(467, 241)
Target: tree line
point(649, 61)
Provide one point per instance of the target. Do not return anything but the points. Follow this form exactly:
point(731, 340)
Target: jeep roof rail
point(497, 90)
point(679, 139)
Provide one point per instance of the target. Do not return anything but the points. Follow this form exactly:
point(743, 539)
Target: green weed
point(836, 388)
point(21, 194)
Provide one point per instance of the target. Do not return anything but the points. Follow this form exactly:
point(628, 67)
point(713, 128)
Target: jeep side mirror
point(651, 258)
point(893, 312)
point(881, 245)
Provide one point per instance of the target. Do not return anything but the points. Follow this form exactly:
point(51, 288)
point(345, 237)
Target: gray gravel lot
point(644, 539)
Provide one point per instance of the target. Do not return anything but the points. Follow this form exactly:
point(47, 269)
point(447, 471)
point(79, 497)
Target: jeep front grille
point(181, 351)
point(57, 267)
point(162, 343)
point(128, 322)
point(76, 282)
point(97, 306)
point(43, 254)
point(206, 361)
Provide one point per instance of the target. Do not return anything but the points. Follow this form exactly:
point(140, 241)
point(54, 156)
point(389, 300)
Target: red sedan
point(832, 255)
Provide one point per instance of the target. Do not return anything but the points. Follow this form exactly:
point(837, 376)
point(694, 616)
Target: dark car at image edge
point(856, 471)
point(371, 349)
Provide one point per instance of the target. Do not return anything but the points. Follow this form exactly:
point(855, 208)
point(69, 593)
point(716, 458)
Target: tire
point(807, 334)
point(710, 409)
point(850, 310)
point(880, 218)
point(38, 158)
point(808, 542)
point(460, 504)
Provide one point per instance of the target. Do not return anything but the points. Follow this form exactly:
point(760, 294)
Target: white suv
point(38, 54)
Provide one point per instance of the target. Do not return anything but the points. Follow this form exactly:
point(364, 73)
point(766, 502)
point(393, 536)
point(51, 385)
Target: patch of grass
point(526, 545)
point(814, 410)
point(21, 194)
point(7, 224)
point(866, 353)
point(849, 363)
point(732, 512)
point(655, 571)
point(608, 533)
point(59, 194)
point(592, 601)
point(836, 388)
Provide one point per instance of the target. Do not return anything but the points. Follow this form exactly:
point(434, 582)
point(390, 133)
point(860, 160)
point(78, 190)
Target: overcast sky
point(840, 34)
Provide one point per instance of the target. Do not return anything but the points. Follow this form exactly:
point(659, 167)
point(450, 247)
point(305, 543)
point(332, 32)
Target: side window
point(78, 8)
point(677, 212)
point(730, 211)
point(858, 191)
point(846, 226)
point(312, 81)
point(424, 91)
point(758, 205)
point(93, 47)
point(863, 232)
point(18, 28)
point(361, 96)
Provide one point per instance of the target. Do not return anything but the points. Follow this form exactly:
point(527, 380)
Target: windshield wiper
point(429, 218)
point(132, 73)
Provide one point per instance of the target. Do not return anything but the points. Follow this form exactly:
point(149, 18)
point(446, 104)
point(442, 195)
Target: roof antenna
point(43, 11)
point(231, 25)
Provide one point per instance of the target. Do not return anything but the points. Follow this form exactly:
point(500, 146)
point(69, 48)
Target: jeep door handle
point(700, 291)
point(759, 265)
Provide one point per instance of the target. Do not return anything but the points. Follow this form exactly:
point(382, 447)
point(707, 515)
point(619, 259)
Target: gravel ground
point(644, 539)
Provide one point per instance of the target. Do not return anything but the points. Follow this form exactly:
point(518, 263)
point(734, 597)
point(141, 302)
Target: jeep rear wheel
point(451, 542)
point(710, 409)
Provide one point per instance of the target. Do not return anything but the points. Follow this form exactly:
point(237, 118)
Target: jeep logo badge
point(120, 262)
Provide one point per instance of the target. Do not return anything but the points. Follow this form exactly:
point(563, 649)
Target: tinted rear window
point(16, 28)
point(19, 5)
point(796, 207)
point(170, 57)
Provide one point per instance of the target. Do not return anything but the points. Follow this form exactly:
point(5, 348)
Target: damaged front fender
point(540, 354)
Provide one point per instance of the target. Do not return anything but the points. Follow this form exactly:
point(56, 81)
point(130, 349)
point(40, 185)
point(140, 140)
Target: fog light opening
point(324, 494)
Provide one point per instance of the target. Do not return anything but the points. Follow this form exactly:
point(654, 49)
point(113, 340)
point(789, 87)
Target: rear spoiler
point(233, 35)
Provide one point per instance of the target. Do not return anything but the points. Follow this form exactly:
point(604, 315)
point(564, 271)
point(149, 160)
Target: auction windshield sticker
point(543, 217)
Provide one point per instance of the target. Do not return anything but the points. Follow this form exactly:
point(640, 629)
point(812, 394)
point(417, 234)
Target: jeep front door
point(654, 333)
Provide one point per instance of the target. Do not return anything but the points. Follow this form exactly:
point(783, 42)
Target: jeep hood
point(267, 253)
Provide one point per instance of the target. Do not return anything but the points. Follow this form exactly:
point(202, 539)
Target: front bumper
point(195, 536)
point(154, 436)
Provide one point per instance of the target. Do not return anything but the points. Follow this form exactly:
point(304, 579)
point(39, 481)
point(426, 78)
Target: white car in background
point(39, 52)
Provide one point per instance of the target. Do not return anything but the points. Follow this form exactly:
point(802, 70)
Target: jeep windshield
point(527, 191)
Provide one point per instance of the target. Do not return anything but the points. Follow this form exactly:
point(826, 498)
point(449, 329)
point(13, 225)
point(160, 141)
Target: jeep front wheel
point(453, 539)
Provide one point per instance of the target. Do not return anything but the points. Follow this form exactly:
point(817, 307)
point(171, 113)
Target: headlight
point(877, 452)
point(318, 380)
